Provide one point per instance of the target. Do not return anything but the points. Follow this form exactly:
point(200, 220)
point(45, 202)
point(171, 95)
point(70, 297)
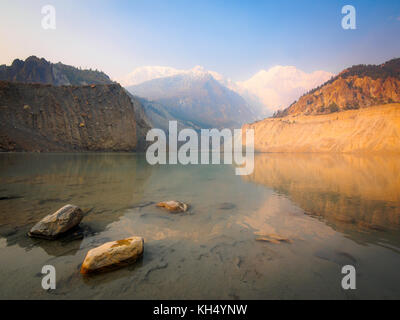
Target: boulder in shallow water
point(58, 223)
point(173, 206)
point(113, 254)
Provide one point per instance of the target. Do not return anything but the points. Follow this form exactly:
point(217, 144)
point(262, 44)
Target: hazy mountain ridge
point(35, 70)
point(159, 117)
point(198, 98)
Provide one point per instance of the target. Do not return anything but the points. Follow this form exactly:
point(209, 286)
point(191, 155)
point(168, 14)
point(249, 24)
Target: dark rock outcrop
point(35, 70)
point(37, 117)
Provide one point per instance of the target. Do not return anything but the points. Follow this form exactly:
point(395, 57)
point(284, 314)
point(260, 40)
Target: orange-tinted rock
point(113, 254)
point(274, 238)
point(346, 94)
point(173, 206)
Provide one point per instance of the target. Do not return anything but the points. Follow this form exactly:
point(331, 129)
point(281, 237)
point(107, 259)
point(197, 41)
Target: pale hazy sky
point(234, 38)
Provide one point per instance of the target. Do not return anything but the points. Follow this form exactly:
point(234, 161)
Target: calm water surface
point(337, 210)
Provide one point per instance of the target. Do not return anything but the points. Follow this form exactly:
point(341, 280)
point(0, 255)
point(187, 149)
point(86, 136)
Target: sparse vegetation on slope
point(357, 87)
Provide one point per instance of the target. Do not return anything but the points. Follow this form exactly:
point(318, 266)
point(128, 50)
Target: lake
point(336, 210)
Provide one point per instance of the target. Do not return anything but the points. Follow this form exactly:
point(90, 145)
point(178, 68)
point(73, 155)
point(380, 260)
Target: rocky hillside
point(374, 129)
point(38, 117)
point(354, 88)
point(35, 70)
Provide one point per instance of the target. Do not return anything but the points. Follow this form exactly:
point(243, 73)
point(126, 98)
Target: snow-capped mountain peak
point(146, 73)
point(198, 69)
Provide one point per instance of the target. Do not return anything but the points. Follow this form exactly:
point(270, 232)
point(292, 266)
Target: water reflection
point(34, 185)
point(355, 195)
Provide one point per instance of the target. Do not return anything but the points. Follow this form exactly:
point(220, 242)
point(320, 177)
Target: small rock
point(173, 206)
point(113, 254)
point(227, 206)
point(268, 240)
point(273, 238)
point(58, 223)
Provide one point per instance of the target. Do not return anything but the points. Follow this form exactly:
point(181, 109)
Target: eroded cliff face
point(374, 129)
point(37, 117)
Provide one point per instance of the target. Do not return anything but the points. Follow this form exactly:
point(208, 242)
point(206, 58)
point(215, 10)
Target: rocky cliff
point(37, 117)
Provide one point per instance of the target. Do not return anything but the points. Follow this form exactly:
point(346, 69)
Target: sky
point(234, 38)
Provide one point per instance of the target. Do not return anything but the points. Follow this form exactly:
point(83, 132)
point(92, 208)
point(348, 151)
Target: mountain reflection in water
point(353, 194)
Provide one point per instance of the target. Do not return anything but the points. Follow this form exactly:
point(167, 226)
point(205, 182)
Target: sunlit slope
point(369, 130)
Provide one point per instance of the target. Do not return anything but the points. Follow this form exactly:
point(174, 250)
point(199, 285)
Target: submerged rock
point(273, 238)
point(10, 197)
point(173, 206)
point(58, 223)
point(227, 206)
point(113, 254)
point(142, 204)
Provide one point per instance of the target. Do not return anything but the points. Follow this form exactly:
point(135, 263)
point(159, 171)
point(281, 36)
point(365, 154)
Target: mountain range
point(55, 107)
